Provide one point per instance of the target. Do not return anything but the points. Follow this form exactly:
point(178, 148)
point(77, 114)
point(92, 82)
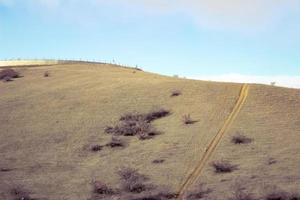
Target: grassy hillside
point(50, 125)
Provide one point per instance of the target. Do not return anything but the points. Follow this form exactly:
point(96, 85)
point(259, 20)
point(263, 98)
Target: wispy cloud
point(212, 14)
point(284, 81)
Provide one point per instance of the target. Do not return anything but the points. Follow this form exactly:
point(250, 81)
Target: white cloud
point(284, 81)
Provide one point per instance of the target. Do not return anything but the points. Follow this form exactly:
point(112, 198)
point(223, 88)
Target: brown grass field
point(54, 143)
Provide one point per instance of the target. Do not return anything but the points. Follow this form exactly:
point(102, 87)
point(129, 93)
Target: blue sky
point(185, 37)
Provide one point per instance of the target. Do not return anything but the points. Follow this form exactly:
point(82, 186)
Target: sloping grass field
point(54, 142)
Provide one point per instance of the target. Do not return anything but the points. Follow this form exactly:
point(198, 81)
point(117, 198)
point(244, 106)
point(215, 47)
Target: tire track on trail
point(213, 144)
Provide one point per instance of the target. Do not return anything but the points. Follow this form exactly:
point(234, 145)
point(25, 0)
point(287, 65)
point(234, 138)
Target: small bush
point(46, 74)
point(271, 161)
point(158, 161)
point(8, 74)
point(5, 169)
point(159, 196)
point(103, 189)
point(137, 124)
point(116, 142)
point(7, 79)
point(133, 181)
point(20, 194)
point(96, 148)
point(141, 129)
point(199, 193)
point(175, 93)
point(241, 139)
point(241, 194)
point(223, 167)
point(154, 115)
point(188, 120)
point(281, 195)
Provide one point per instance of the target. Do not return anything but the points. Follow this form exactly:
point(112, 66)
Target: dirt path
point(213, 144)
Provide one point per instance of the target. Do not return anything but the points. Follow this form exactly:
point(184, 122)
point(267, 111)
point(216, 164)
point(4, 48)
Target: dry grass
point(45, 125)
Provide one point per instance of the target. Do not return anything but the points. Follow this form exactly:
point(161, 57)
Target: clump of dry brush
point(8, 74)
point(136, 124)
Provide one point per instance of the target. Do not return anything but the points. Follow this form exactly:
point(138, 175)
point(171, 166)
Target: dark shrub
point(8, 74)
point(7, 79)
point(116, 142)
point(241, 139)
point(223, 167)
point(5, 169)
point(142, 129)
point(281, 195)
point(241, 194)
point(96, 148)
point(294, 196)
point(103, 189)
point(188, 120)
point(46, 74)
point(199, 193)
point(277, 195)
point(271, 161)
point(133, 181)
point(20, 194)
point(137, 125)
point(157, 115)
point(158, 161)
point(159, 196)
point(175, 93)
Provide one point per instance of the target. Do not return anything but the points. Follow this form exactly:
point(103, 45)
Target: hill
point(62, 136)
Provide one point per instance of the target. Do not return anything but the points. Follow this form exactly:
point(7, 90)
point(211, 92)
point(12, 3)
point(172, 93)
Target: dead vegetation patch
point(282, 195)
point(198, 193)
point(8, 74)
point(135, 124)
point(103, 189)
point(19, 193)
point(115, 143)
point(241, 194)
point(223, 167)
point(134, 182)
point(96, 148)
point(158, 196)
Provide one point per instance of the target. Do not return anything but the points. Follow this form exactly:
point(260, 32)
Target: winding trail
point(213, 144)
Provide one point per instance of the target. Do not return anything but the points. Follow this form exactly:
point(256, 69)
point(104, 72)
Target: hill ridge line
point(215, 141)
